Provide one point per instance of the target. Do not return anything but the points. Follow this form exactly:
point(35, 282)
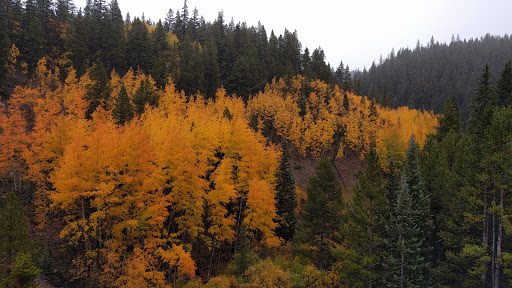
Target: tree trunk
point(498, 245)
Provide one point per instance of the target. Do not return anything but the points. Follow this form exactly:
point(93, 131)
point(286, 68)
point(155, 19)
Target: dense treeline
point(123, 164)
point(424, 77)
point(198, 55)
point(132, 185)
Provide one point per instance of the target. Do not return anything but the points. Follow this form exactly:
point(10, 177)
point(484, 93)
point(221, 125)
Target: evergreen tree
point(159, 70)
point(115, 40)
point(346, 103)
point(286, 198)
point(76, 43)
point(364, 227)
point(138, 49)
point(450, 120)
point(323, 210)
point(483, 103)
point(211, 69)
point(384, 101)
point(98, 91)
point(123, 110)
point(23, 272)
point(409, 228)
point(339, 75)
point(347, 81)
point(190, 78)
point(504, 85)
point(5, 44)
point(145, 94)
point(31, 42)
point(13, 229)
point(404, 264)
point(169, 21)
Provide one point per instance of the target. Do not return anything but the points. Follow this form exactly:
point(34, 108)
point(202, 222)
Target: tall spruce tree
point(123, 109)
point(98, 92)
point(409, 227)
point(323, 210)
point(364, 227)
point(504, 85)
point(286, 198)
point(145, 94)
point(450, 120)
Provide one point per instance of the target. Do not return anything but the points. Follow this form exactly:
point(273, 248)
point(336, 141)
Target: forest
point(136, 153)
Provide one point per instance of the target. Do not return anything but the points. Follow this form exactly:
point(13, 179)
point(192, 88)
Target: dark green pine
point(450, 120)
point(404, 263)
point(286, 198)
point(123, 109)
point(138, 48)
point(504, 85)
point(346, 103)
point(145, 94)
point(13, 229)
point(364, 227)
point(98, 92)
point(323, 210)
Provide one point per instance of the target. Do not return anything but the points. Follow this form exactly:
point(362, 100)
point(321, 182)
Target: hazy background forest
point(195, 153)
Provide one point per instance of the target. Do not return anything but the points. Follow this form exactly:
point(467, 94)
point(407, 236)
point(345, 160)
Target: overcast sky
point(356, 32)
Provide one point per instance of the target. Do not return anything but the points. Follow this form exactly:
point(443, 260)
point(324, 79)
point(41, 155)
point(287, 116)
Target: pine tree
point(23, 272)
point(98, 91)
point(211, 69)
point(286, 197)
point(13, 229)
point(123, 110)
point(145, 94)
point(323, 210)
point(346, 103)
point(159, 69)
point(138, 48)
point(409, 227)
point(364, 227)
point(404, 264)
point(483, 103)
point(384, 101)
point(450, 120)
point(339, 75)
point(504, 85)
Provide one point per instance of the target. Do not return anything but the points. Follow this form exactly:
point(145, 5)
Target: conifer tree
point(23, 272)
point(450, 120)
point(346, 103)
point(145, 94)
point(364, 227)
point(409, 228)
point(138, 48)
point(404, 265)
point(211, 69)
point(98, 91)
point(504, 85)
point(13, 229)
point(286, 197)
point(323, 210)
point(123, 109)
point(384, 101)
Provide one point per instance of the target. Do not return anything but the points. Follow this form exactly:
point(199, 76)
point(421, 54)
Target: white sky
point(355, 31)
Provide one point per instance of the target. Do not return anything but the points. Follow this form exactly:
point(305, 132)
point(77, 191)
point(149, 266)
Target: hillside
point(424, 77)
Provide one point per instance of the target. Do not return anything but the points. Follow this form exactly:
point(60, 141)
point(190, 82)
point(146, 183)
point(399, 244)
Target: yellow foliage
point(310, 114)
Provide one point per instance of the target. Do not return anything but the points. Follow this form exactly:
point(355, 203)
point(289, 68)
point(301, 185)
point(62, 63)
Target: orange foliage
point(133, 198)
point(310, 114)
